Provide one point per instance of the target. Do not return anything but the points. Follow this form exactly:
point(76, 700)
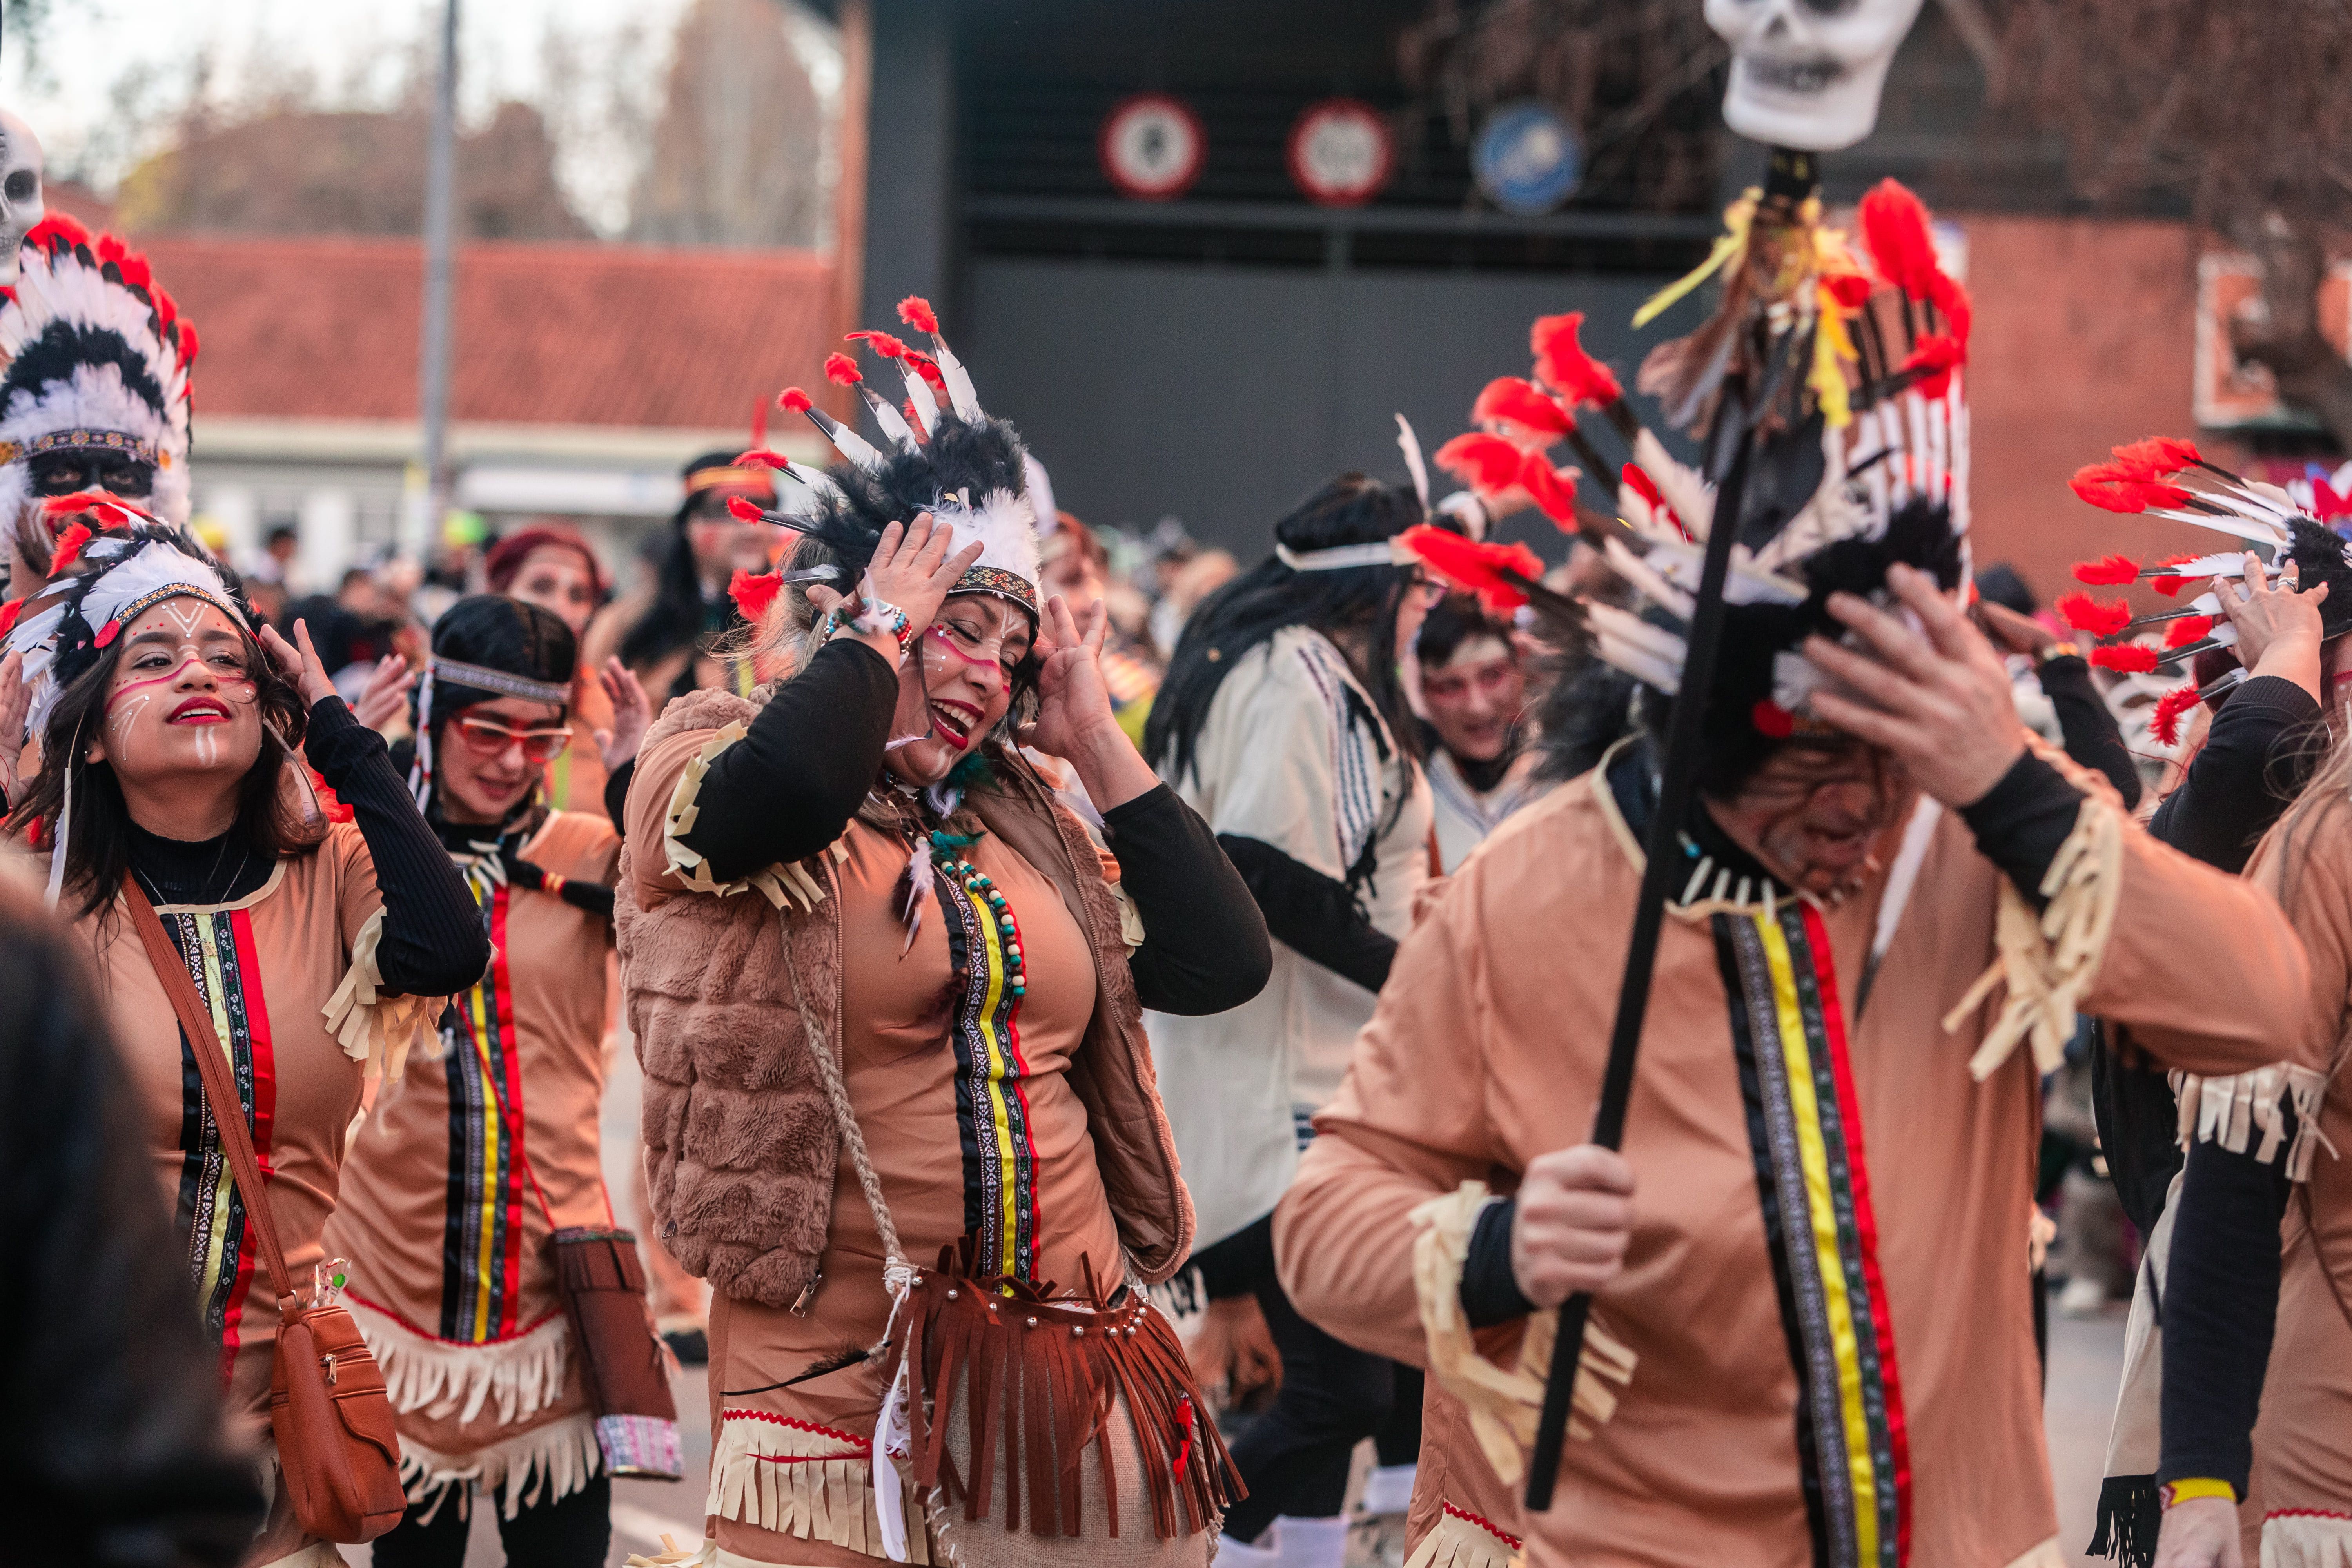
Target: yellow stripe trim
point(1000, 1109)
point(216, 1232)
point(492, 1127)
point(1831, 1263)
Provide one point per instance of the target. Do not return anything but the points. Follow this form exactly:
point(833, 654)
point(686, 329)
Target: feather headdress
point(2167, 478)
point(965, 468)
point(98, 360)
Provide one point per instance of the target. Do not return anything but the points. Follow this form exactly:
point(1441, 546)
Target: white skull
point(20, 191)
point(1807, 73)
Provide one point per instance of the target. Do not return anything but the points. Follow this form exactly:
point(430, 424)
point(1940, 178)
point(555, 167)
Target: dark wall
point(1224, 395)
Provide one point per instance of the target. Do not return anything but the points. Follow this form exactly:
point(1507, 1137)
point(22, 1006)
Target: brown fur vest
point(741, 1148)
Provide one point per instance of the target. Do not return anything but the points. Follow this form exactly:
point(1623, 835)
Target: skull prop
point(20, 191)
point(1807, 73)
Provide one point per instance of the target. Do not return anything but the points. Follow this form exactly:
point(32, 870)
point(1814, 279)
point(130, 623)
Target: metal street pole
point(433, 351)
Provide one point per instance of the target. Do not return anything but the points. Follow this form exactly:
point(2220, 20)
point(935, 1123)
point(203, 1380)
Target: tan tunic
point(447, 1212)
point(1487, 1051)
point(2300, 1504)
point(955, 1151)
point(268, 963)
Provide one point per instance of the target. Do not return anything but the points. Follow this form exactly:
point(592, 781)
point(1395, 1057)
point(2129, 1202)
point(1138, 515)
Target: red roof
point(326, 328)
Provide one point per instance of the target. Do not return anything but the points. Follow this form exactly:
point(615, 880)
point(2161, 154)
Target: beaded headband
point(1340, 557)
point(703, 480)
point(498, 681)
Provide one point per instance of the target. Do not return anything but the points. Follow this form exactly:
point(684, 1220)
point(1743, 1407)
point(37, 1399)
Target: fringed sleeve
point(2227, 1110)
point(1504, 1403)
point(371, 1026)
point(783, 884)
point(2048, 961)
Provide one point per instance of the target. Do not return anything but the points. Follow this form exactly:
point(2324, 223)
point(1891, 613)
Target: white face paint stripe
point(125, 716)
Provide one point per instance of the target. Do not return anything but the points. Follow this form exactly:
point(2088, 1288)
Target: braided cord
point(853, 1139)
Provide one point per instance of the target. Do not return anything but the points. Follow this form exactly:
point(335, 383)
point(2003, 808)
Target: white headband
point(1341, 557)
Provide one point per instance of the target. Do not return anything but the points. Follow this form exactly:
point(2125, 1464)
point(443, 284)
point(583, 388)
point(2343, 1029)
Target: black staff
point(1732, 453)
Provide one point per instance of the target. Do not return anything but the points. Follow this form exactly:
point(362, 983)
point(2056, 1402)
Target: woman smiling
point(950, 1002)
point(322, 946)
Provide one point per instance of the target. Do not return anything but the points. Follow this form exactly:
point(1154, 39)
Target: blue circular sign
point(1528, 160)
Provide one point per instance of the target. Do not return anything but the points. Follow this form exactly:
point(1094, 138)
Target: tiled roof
point(561, 334)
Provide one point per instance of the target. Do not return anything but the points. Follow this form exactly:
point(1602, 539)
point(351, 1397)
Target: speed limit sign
point(1153, 147)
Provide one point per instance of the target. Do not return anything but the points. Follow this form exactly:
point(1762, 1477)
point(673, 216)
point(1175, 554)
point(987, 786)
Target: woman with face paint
point(470, 1163)
point(323, 926)
point(925, 1087)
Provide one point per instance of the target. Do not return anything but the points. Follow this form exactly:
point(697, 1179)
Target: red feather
point(793, 400)
point(753, 595)
point(2169, 584)
point(1521, 402)
point(749, 511)
point(2325, 503)
point(1564, 365)
point(1553, 496)
point(69, 545)
point(2086, 613)
point(336, 811)
point(8, 614)
point(1772, 720)
point(60, 227)
point(916, 312)
point(1642, 485)
point(841, 370)
point(106, 634)
point(928, 369)
point(763, 458)
point(1851, 289)
point(1485, 463)
point(2130, 659)
point(1935, 357)
point(2169, 709)
point(1895, 230)
point(1952, 303)
point(187, 343)
point(882, 344)
point(2153, 458)
point(1498, 573)
point(914, 419)
point(2187, 631)
point(2110, 486)
point(2107, 571)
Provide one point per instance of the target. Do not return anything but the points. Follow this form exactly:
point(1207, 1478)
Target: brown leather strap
point(220, 1090)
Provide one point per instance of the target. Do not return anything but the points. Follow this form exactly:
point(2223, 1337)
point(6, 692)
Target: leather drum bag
point(337, 1447)
point(622, 1368)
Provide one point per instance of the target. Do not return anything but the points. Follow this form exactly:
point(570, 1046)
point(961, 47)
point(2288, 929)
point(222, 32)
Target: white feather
point(919, 393)
point(894, 425)
point(1681, 487)
point(962, 397)
point(2256, 529)
point(1636, 571)
point(853, 447)
point(1410, 445)
point(1647, 653)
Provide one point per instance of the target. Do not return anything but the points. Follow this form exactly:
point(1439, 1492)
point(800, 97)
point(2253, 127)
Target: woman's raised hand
point(633, 713)
point(2278, 629)
point(1073, 699)
point(911, 569)
point(385, 696)
point(302, 669)
point(16, 703)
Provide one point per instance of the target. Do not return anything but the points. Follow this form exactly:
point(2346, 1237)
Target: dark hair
point(678, 616)
point(1453, 620)
point(270, 819)
point(2001, 584)
point(502, 634)
point(1245, 612)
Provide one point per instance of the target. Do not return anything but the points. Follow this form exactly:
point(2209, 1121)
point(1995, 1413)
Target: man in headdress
point(1816, 1300)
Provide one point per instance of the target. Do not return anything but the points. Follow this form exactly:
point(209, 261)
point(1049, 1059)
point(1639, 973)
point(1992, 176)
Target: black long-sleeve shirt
point(433, 943)
point(806, 762)
point(2087, 726)
point(2221, 1283)
point(1314, 915)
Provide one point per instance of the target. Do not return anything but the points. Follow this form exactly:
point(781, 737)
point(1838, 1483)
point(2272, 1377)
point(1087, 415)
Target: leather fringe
point(542, 1465)
point(797, 1478)
point(1463, 1540)
point(1042, 1375)
point(2227, 1110)
point(375, 1028)
point(2130, 1513)
point(525, 1374)
point(2049, 960)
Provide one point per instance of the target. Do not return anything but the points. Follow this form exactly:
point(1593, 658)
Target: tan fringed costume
point(1034, 1129)
point(260, 962)
point(1825, 1301)
point(460, 1174)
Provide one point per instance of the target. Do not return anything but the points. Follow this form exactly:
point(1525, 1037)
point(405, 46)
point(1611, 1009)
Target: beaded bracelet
point(878, 615)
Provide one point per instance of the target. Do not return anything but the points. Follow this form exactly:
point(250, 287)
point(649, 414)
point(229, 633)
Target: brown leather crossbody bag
point(337, 1447)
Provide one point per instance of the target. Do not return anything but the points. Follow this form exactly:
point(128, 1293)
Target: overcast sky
point(101, 55)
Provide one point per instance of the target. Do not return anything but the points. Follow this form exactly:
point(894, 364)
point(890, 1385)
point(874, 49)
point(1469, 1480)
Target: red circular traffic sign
point(1341, 152)
point(1152, 146)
